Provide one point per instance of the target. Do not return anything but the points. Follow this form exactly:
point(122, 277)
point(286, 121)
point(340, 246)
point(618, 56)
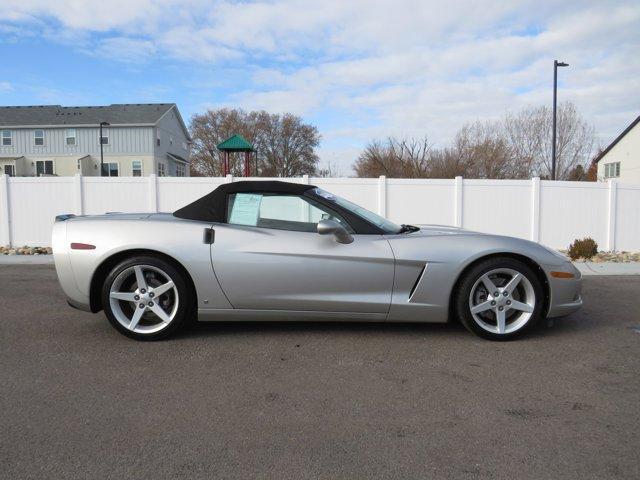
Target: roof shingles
point(116, 114)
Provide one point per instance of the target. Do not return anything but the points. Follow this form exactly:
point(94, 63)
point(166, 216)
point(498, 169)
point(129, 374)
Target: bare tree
point(478, 151)
point(529, 133)
point(516, 146)
point(448, 163)
point(408, 158)
point(285, 145)
point(484, 152)
point(376, 160)
point(211, 128)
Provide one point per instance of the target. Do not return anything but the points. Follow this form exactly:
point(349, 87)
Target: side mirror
point(331, 227)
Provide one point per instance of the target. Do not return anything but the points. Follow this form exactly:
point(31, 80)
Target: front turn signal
point(562, 275)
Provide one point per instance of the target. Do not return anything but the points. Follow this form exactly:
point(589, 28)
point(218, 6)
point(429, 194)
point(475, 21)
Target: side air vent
point(415, 284)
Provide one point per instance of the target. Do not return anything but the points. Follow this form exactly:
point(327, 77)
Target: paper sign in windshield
point(246, 209)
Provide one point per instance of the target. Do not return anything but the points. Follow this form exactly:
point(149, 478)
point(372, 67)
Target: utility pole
point(556, 64)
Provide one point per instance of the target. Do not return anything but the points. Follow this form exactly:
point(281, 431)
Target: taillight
point(82, 246)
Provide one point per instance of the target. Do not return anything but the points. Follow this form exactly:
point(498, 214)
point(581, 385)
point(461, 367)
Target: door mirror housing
point(331, 227)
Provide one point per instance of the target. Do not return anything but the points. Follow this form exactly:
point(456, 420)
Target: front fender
point(428, 267)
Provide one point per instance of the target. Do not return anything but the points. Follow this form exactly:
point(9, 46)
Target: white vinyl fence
point(553, 213)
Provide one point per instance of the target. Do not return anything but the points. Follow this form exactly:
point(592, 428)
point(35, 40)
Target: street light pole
point(102, 124)
point(556, 64)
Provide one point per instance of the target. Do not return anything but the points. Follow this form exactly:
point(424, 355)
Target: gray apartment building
point(137, 140)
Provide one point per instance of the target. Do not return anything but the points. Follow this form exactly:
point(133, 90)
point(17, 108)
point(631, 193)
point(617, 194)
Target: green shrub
point(585, 248)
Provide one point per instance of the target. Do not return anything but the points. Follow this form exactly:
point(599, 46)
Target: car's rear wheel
point(146, 298)
point(499, 298)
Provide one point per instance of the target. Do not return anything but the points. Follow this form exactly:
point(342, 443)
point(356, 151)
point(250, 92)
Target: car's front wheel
point(499, 298)
point(146, 298)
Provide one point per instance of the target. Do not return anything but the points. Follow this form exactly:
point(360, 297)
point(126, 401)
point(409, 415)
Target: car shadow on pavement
point(546, 328)
point(373, 328)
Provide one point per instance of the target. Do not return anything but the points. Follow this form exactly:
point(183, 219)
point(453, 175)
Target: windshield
point(380, 222)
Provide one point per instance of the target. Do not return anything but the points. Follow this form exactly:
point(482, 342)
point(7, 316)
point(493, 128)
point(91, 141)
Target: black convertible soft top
point(213, 206)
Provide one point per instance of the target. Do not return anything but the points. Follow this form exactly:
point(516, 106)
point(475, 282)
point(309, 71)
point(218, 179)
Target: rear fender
point(179, 240)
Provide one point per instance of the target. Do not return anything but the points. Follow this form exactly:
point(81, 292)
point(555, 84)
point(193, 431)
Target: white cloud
point(5, 86)
point(86, 14)
point(129, 50)
point(410, 67)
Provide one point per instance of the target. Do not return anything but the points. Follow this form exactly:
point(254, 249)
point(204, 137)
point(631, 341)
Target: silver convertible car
point(266, 250)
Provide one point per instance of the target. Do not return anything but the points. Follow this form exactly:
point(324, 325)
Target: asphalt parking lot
point(295, 401)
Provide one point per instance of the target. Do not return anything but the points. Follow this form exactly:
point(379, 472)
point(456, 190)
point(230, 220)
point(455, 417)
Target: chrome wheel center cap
point(144, 297)
point(501, 300)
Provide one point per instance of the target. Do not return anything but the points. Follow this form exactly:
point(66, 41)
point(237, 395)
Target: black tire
point(463, 293)
point(184, 312)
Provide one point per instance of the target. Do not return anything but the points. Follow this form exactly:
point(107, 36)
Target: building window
point(104, 140)
point(612, 170)
point(136, 168)
point(158, 137)
point(161, 171)
point(180, 170)
point(79, 162)
point(71, 136)
point(111, 169)
point(6, 138)
point(44, 167)
point(10, 170)
point(38, 138)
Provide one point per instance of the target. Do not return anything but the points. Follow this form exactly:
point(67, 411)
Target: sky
point(357, 69)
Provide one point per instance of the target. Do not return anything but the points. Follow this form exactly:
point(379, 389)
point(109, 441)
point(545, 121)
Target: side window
point(71, 136)
point(38, 137)
point(136, 168)
point(281, 212)
point(6, 138)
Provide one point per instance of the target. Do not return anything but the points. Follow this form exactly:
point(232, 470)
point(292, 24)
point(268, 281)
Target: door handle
point(209, 235)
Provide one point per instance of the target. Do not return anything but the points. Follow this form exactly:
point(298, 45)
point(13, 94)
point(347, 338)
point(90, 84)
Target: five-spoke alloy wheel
point(499, 298)
point(146, 298)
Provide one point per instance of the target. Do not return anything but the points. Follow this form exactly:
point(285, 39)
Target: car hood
point(442, 243)
point(430, 230)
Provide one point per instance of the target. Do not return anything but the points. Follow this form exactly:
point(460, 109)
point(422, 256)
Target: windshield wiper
point(408, 228)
